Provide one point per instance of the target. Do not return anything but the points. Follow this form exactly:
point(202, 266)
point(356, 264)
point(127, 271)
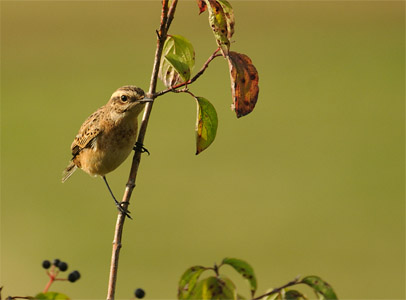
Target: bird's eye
point(124, 98)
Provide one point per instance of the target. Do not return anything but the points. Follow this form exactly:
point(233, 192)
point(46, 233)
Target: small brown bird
point(107, 137)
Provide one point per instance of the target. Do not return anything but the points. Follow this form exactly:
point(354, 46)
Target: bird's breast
point(111, 148)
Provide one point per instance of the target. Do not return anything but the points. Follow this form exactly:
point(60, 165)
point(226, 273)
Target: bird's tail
point(70, 169)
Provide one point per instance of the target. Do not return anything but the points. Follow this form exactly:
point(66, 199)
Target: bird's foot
point(123, 210)
point(140, 147)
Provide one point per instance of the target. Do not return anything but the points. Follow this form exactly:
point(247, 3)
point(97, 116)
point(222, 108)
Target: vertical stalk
point(167, 16)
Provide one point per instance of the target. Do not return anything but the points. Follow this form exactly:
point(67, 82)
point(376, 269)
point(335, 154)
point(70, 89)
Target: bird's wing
point(88, 132)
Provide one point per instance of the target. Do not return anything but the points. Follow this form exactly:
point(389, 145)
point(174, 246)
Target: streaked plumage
point(107, 137)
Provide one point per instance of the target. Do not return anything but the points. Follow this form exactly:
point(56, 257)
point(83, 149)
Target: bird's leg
point(140, 147)
point(120, 208)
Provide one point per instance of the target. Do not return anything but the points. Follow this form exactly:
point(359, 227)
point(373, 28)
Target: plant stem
point(167, 16)
point(51, 280)
point(190, 81)
point(277, 290)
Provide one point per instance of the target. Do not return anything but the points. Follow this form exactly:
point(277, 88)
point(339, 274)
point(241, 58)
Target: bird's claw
point(123, 210)
point(140, 147)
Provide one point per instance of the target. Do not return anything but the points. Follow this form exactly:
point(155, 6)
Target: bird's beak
point(143, 100)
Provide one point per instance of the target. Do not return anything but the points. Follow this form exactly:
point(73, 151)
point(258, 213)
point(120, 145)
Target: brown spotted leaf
point(320, 287)
point(244, 269)
point(202, 6)
point(244, 83)
point(219, 288)
point(229, 14)
point(294, 295)
point(218, 23)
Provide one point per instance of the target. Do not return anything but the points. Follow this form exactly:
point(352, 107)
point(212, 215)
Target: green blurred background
point(312, 182)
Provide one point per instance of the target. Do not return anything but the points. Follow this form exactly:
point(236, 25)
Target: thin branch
point(277, 290)
point(190, 81)
point(171, 13)
point(162, 35)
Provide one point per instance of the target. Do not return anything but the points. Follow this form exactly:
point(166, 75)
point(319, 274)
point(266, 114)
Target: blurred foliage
point(221, 287)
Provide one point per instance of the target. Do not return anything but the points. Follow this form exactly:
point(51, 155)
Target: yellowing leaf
point(229, 14)
point(206, 125)
point(220, 288)
point(244, 83)
point(188, 281)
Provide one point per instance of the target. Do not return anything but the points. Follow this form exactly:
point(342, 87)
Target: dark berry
point(139, 293)
point(63, 266)
point(77, 274)
point(46, 264)
point(56, 262)
point(73, 276)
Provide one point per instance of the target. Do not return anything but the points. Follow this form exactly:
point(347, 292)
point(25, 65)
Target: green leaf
point(229, 14)
point(218, 23)
point(188, 281)
point(180, 67)
point(178, 60)
point(51, 296)
point(184, 49)
point(206, 124)
point(229, 289)
point(214, 288)
point(240, 297)
point(244, 269)
point(273, 296)
point(320, 286)
point(293, 295)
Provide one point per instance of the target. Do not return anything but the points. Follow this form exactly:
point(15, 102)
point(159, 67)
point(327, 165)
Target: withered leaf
point(202, 6)
point(244, 83)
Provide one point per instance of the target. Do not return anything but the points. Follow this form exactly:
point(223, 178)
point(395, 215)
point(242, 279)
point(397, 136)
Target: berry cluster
point(54, 268)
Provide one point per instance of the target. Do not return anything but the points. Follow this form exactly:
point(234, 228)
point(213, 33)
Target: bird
point(108, 136)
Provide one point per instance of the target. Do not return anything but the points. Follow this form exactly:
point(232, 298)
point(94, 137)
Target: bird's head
point(127, 100)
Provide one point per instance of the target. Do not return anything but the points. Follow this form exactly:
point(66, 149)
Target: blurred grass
point(312, 182)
